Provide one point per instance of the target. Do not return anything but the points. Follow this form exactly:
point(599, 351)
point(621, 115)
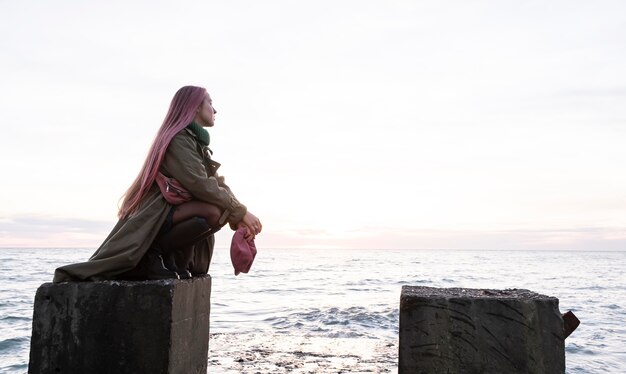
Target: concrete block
point(121, 327)
point(458, 330)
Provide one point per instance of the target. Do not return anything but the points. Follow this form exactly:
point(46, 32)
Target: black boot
point(175, 245)
point(169, 260)
point(150, 267)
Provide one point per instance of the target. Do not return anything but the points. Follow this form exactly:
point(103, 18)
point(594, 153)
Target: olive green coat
point(187, 161)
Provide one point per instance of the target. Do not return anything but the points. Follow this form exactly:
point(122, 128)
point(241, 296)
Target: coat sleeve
point(183, 163)
point(222, 183)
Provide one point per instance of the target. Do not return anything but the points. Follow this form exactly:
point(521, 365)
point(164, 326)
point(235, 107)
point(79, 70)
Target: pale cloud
point(47, 231)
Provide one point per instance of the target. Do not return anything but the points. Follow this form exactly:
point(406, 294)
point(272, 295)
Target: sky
point(341, 124)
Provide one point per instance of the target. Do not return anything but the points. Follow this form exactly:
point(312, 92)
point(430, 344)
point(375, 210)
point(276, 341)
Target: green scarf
point(201, 133)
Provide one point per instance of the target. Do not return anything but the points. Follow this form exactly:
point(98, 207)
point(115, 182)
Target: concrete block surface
point(459, 330)
point(121, 327)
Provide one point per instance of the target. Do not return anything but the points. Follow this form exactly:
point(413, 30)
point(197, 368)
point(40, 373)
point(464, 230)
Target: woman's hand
point(252, 224)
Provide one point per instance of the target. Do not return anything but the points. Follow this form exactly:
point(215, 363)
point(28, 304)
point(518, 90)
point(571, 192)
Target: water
point(337, 310)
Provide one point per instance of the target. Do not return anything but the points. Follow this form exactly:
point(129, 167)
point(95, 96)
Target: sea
point(336, 310)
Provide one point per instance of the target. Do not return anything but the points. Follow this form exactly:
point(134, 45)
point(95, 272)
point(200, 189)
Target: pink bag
point(242, 252)
point(173, 192)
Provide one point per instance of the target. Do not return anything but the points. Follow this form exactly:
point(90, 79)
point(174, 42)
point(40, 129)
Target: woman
point(154, 239)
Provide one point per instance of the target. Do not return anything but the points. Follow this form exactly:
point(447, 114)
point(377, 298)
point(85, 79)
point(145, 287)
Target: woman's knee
point(212, 214)
point(204, 210)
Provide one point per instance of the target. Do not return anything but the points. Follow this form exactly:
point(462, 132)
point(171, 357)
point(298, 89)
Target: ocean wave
point(13, 344)
point(361, 282)
point(15, 319)
point(362, 289)
point(574, 348)
point(339, 322)
point(16, 368)
point(612, 306)
point(414, 282)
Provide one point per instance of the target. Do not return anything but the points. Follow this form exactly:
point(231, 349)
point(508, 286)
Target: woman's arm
point(183, 163)
point(252, 224)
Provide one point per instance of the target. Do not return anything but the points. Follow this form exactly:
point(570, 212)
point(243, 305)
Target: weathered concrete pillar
point(458, 330)
point(121, 327)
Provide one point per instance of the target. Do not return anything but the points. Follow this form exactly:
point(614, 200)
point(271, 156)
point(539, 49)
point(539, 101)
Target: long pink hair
point(182, 111)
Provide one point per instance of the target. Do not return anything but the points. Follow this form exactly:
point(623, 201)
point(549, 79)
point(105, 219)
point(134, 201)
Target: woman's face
point(205, 115)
